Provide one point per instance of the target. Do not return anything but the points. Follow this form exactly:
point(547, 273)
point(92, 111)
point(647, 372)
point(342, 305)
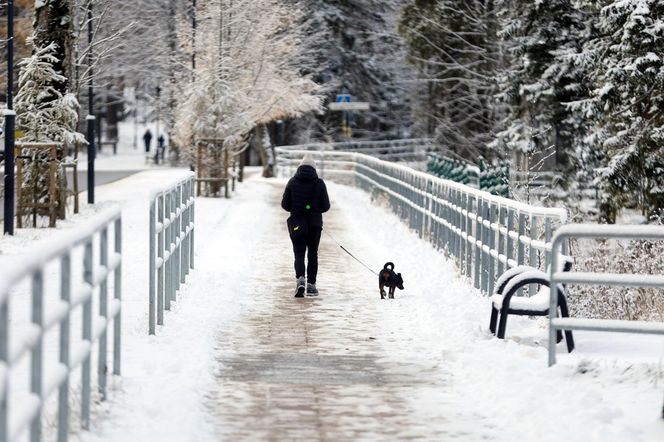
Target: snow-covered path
point(240, 359)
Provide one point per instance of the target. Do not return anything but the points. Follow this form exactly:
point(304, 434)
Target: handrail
point(46, 378)
point(485, 233)
point(603, 231)
point(171, 251)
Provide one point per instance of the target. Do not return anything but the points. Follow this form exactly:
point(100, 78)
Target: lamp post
point(90, 119)
point(193, 37)
point(10, 119)
point(156, 155)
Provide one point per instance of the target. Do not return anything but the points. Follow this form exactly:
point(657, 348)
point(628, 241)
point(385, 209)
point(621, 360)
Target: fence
point(605, 279)
point(414, 149)
point(492, 179)
point(17, 414)
point(484, 233)
point(171, 245)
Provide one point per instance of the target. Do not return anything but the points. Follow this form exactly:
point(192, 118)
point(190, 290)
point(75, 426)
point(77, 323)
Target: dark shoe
point(299, 287)
point(312, 290)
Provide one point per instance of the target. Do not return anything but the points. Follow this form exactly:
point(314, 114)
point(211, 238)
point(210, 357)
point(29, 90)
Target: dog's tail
point(388, 266)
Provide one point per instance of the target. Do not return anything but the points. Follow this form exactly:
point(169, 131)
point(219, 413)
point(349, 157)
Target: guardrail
point(604, 279)
point(484, 233)
point(27, 339)
point(171, 245)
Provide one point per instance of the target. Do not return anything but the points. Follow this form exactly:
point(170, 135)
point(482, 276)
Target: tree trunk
point(261, 132)
point(53, 23)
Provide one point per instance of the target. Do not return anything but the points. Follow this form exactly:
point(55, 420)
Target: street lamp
point(156, 155)
point(10, 120)
point(90, 119)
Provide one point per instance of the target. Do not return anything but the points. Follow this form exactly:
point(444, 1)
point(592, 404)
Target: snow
point(540, 301)
point(607, 390)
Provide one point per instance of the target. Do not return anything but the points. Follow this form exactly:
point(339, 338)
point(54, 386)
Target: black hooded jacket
point(305, 197)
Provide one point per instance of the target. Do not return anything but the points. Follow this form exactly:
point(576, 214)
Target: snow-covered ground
point(609, 389)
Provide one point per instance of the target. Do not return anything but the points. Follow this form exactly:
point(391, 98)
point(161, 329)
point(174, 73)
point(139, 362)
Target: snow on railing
point(634, 232)
point(81, 284)
point(171, 244)
point(486, 234)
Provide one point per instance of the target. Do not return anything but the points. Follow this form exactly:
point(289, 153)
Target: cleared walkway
point(316, 368)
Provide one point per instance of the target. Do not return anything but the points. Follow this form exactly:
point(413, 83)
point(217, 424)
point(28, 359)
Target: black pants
point(307, 244)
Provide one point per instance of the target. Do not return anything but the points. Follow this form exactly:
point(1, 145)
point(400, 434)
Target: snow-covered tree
point(45, 113)
point(627, 105)
point(245, 77)
point(544, 44)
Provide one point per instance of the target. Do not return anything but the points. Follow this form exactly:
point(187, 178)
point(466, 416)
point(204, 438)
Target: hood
point(306, 173)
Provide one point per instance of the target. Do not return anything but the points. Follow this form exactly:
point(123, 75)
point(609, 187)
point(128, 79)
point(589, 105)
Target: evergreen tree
point(544, 44)
point(627, 106)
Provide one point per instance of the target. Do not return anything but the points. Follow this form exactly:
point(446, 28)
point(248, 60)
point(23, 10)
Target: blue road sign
point(343, 98)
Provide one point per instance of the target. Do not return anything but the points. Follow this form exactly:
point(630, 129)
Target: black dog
point(388, 278)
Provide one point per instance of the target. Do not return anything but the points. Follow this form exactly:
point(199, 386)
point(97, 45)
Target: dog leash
point(350, 254)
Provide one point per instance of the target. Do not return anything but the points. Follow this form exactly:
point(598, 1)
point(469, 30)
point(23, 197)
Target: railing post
point(478, 242)
point(485, 254)
point(63, 390)
point(88, 275)
point(501, 239)
point(520, 257)
point(469, 231)
point(117, 294)
point(553, 302)
point(193, 227)
point(167, 250)
point(492, 245)
point(509, 253)
point(103, 313)
point(161, 296)
point(152, 290)
point(532, 251)
point(37, 353)
point(547, 237)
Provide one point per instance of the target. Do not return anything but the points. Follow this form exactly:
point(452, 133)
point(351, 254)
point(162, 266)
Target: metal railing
point(171, 245)
point(484, 233)
point(414, 149)
point(19, 341)
point(634, 232)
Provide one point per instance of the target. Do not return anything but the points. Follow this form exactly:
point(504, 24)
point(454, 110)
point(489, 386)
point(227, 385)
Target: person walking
point(147, 139)
point(306, 198)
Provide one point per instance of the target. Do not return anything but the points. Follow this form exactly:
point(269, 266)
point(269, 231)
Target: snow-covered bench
point(504, 302)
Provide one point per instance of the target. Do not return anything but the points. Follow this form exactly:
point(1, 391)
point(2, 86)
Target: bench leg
point(494, 319)
point(502, 324)
point(564, 312)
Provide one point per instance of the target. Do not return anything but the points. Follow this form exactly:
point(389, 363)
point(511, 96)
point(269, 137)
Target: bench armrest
point(508, 275)
point(524, 279)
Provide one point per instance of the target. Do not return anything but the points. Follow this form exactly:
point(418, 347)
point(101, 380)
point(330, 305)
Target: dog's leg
point(381, 287)
point(392, 292)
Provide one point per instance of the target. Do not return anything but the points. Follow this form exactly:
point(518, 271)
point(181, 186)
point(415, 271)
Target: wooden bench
point(505, 303)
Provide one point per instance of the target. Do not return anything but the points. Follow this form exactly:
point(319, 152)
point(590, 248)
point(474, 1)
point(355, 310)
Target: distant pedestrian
point(147, 139)
point(305, 197)
point(160, 146)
